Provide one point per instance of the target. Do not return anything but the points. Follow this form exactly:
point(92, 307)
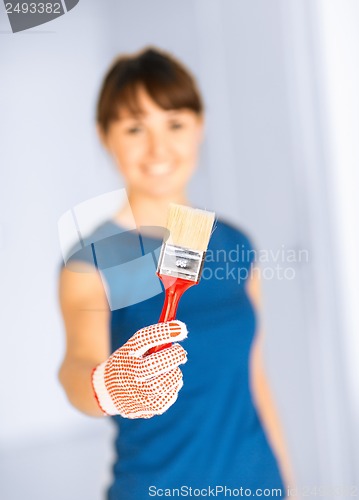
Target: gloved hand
point(135, 385)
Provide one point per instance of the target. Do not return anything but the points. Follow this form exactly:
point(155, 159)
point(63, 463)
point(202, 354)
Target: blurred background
point(280, 81)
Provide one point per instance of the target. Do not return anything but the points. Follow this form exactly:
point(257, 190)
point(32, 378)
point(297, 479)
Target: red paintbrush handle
point(175, 287)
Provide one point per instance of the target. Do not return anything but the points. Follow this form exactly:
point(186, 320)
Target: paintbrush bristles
point(189, 227)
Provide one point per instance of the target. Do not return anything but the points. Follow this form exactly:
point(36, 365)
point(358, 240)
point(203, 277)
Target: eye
point(135, 129)
point(176, 125)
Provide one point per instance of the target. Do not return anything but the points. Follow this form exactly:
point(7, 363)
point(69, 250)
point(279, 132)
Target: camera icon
point(125, 259)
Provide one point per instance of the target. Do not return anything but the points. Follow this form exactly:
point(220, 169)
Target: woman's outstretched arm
point(85, 313)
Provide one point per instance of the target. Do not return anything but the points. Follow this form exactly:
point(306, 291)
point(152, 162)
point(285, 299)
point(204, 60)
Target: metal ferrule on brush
point(180, 262)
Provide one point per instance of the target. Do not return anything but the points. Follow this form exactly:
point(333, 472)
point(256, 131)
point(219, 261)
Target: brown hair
point(165, 80)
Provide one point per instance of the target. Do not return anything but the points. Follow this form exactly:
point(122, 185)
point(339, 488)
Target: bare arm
point(86, 316)
point(262, 393)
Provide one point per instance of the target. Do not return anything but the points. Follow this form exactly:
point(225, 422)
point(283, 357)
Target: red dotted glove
point(135, 385)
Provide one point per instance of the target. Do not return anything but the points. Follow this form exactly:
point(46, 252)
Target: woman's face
point(157, 151)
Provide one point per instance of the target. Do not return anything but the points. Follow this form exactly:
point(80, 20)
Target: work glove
point(135, 384)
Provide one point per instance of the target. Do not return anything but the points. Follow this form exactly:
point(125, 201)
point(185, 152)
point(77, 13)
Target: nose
point(157, 145)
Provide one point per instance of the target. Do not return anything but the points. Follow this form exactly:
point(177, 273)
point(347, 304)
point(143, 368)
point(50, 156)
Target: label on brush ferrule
point(180, 262)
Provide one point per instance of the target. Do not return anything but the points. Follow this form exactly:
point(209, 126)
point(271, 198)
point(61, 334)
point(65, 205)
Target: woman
point(203, 423)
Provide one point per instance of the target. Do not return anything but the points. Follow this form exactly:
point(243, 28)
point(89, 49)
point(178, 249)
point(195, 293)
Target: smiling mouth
point(159, 169)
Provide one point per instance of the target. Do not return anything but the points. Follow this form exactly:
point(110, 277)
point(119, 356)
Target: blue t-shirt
point(211, 437)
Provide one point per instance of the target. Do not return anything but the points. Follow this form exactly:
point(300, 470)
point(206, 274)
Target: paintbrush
point(182, 256)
